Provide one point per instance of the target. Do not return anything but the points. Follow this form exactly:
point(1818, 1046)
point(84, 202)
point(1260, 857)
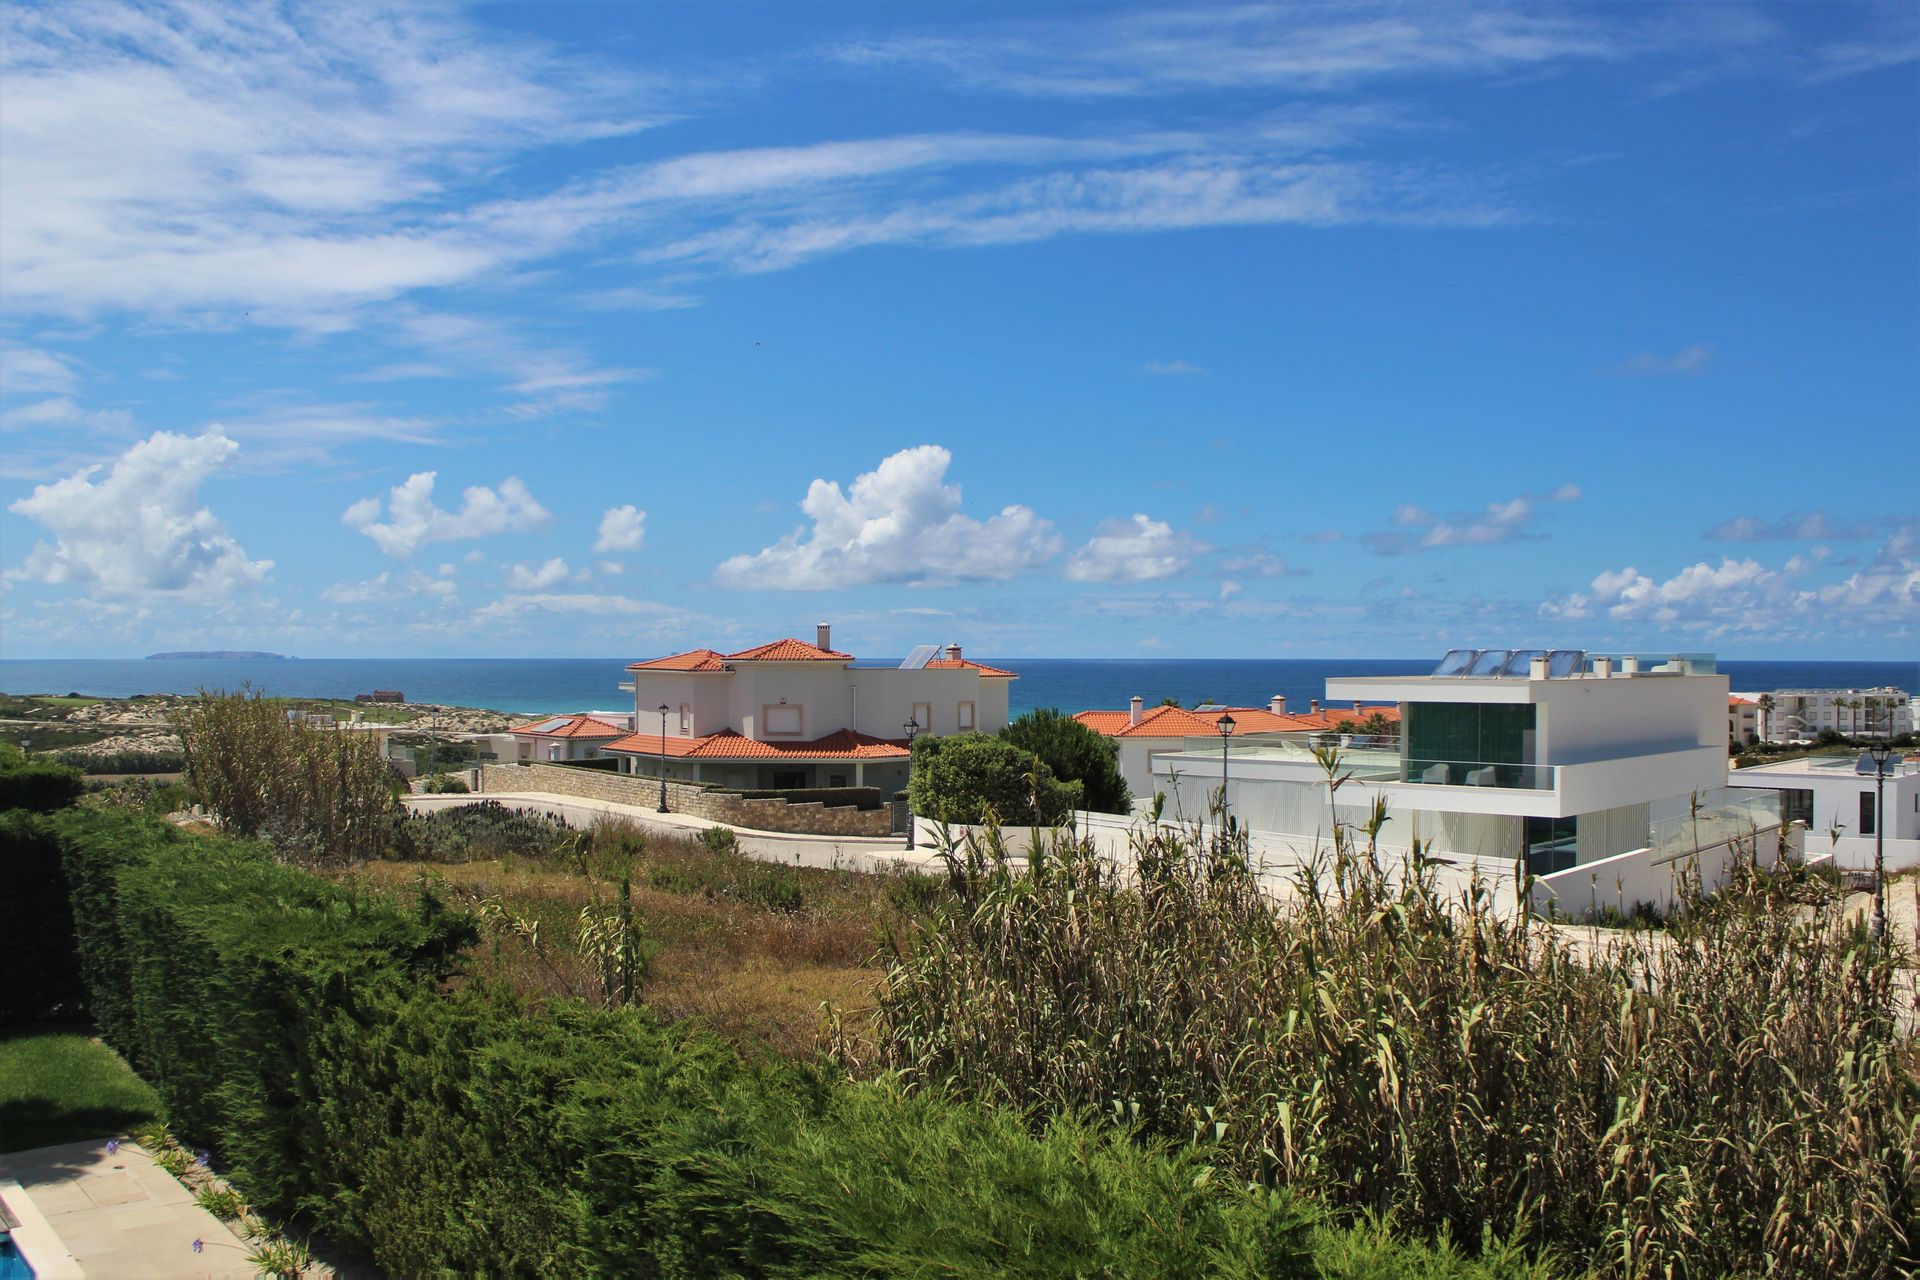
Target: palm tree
point(1766, 717)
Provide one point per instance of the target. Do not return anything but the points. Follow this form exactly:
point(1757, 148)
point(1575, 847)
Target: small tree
point(969, 778)
point(1074, 753)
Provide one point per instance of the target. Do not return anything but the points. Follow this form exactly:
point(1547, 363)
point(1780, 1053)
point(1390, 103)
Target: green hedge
point(967, 777)
point(38, 785)
point(863, 798)
point(307, 1035)
point(39, 967)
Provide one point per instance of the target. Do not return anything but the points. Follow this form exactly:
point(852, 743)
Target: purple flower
point(204, 1159)
point(113, 1145)
point(198, 1244)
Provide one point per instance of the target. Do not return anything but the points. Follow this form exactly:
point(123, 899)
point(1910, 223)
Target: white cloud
point(1136, 550)
point(900, 523)
point(1260, 563)
point(1171, 368)
point(30, 371)
point(140, 529)
point(1420, 529)
point(61, 411)
point(1811, 527)
point(1687, 362)
point(411, 585)
point(413, 520)
point(510, 606)
point(621, 529)
point(522, 577)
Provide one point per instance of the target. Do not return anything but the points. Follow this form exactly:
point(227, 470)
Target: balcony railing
point(1367, 762)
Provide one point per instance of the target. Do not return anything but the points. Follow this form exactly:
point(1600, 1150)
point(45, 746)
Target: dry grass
point(760, 975)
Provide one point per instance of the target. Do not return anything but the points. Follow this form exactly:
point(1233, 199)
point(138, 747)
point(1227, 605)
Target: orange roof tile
point(955, 664)
point(1332, 717)
point(789, 650)
point(569, 727)
point(1735, 700)
point(728, 745)
point(691, 660)
point(1180, 722)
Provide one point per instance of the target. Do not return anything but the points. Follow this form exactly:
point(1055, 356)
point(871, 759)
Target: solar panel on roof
point(1489, 663)
point(1457, 662)
point(1520, 662)
point(917, 660)
point(1562, 663)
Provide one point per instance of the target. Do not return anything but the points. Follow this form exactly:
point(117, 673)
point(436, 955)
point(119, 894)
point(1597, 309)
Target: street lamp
point(663, 757)
point(1879, 752)
point(1225, 725)
point(911, 728)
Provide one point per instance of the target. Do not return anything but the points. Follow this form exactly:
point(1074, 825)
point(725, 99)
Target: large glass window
point(1866, 813)
point(1552, 844)
point(1484, 733)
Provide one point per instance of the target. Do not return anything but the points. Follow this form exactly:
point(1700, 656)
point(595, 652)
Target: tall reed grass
point(1732, 1096)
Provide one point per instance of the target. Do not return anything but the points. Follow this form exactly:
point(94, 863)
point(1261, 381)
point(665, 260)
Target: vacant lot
point(759, 951)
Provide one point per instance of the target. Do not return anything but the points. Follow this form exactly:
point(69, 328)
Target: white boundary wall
point(1649, 876)
point(1855, 853)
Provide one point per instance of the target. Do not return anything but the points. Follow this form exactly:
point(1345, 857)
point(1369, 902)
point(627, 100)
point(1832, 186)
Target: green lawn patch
point(64, 1086)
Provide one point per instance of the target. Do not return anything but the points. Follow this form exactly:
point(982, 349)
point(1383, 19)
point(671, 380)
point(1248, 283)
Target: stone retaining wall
point(812, 818)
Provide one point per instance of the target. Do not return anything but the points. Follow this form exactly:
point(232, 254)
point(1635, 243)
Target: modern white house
point(1743, 720)
point(791, 714)
point(1859, 713)
point(563, 739)
point(1578, 768)
point(1840, 801)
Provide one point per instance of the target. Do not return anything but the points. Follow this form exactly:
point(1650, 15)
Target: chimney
point(823, 635)
point(1357, 708)
point(1602, 668)
point(953, 652)
point(1630, 665)
point(1277, 704)
point(1537, 668)
point(1313, 707)
point(1133, 710)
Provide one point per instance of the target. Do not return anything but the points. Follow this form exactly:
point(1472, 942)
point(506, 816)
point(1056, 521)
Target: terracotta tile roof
point(1735, 700)
point(1180, 722)
point(691, 660)
point(955, 664)
point(728, 745)
point(568, 727)
point(789, 650)
point(1332, 717)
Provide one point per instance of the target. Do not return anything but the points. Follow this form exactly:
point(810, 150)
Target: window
point(1866, 813)
point(923, 715)
point(966, 716)
point(781, 721)
point(836, 779)
point(686, 720)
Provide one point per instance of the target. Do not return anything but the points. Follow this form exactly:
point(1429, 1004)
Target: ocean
point(536, 685)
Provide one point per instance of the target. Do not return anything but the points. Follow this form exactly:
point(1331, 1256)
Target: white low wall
point(1855, 853)
point(1627, 880)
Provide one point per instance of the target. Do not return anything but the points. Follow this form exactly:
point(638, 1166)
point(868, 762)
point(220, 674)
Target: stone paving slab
point(118, 1214)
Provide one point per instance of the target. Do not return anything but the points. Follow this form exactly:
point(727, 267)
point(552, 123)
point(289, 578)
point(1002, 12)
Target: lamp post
point(1879, 751)
point(663, 757)
point(912, 729)
point(1225, 725)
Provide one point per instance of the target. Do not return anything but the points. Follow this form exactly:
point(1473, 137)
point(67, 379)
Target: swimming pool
point(12, 1265)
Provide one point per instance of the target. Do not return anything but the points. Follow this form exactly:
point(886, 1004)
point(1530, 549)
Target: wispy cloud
point(1510, 520)
point(1687, 362)
point(1171, 369)
point(1814, 526)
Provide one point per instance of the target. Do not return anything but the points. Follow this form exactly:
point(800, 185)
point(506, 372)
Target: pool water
point(12, 1265)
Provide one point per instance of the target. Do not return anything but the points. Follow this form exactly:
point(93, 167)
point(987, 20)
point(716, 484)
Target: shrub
point(970, 778)
point(39, 785)
point(307, 1034)
point(720, 840)
point(1075, 753)
point(123, 761)
point(445, 785)
point(39, 965)
point(1733, 1096)
point(476, 833)
point(316, 795)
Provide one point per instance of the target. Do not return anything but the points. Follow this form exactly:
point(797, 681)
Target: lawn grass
point(61, 1085)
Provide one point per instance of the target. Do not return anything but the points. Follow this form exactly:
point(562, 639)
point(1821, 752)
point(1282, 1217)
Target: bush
point(969, 778)
point(39, 964)
point(38, 785)
point(1075, 753)
point(446, 785)
point(1732, 1096)
point(476, 833)
point(124, 761)
point(308, 1036)
point(865, 799)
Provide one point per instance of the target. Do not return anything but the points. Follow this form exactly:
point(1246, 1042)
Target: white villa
point(1839, 800)
point(792, 714)
point(1582, 768)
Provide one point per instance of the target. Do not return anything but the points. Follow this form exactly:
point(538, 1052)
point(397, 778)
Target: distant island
point(215, 653)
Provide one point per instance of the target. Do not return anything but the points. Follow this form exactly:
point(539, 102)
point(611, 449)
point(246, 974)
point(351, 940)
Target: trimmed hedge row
point(304, 1032)
point(38, 785)
point(39, 969)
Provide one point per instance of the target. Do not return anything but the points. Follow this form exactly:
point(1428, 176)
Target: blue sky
point(1056, 330)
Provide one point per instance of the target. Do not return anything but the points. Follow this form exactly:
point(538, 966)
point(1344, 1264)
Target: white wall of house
point(767, 700)
point(1842, 797)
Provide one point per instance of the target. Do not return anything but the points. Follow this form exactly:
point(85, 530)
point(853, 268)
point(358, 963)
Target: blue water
point(533, 685)
point(12, 1265)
